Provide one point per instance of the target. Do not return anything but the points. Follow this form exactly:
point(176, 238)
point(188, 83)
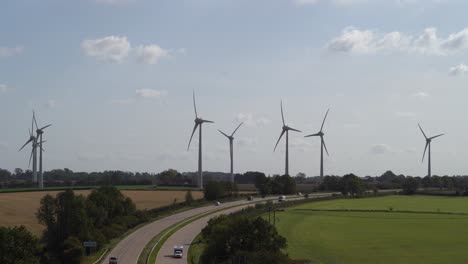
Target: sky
point(115, 79)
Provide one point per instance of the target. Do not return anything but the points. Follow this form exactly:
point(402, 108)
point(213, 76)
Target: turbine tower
point(428, 144)
point(231, 151)
point(33, 140)
point(285, 130)
point(322, 143)
point(39, 132)
point(198, 123)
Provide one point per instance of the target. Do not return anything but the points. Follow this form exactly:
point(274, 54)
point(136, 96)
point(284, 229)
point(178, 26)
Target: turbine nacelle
point(200, 121)
point(428, 141)
point(286, 128)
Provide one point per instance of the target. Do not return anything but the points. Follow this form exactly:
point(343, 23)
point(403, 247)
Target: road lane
point(129, 249)
point(187, 234)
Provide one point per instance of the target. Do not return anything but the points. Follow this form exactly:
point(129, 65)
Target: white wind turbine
point(33, 140)
point(231, 151)
point(39, 132)
point(322, 143)
point(285, 131)
point(198, 124)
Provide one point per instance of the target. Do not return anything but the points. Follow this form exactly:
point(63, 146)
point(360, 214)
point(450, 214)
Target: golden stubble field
point(20, 208)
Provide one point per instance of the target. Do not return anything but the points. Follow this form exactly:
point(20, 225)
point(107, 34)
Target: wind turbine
point(285, 130)
point(33, 140)
point(39, 132)
point(198, 123)
point(231, 151)
point(428, 144)
point(322, 143)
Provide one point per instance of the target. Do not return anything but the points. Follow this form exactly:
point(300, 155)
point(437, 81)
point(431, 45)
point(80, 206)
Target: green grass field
point(378, 237)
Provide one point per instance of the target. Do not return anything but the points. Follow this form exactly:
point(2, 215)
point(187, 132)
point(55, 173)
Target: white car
point(282, 198)
point(113, 260)
point(178, 251)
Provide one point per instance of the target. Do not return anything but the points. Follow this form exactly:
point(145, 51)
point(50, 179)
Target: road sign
point(90, 244)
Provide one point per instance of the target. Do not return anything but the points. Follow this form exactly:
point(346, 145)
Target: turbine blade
point(325, 146)
point(35, 121)
point(236, 129)
point(207, 121)
point(30, 157)
point(45, 127)
point(32, 122)
point(282, 133)
point(293, 129)
point(323, 122)
point(313, 135)
point(424, 153)
point(27, 142)
point(282, 115)
point(193, 132)
point(194, 105)
point(223, 133)
point(436, 136)
point(422, 131)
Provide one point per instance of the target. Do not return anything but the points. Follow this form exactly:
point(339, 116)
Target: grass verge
point(196, 250)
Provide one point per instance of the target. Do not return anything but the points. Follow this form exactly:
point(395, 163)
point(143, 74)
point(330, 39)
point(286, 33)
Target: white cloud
point(3, 88)
point(90, 156)
point(8, 52)
point(334, 2)
point(125, 101)
point(421, 94)
point(306, 2)
point(51, 104)
point(151, 54)
point(379, 149)
point(114, 2)
point(458, 69)
point(405, 114)
point(353, 40)
point(247, 141)
point(3, 145)
point(150, 93)
point(110, 48)
point(250, 120)
point(169, 156)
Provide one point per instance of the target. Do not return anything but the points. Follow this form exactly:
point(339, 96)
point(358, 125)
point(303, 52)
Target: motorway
point(187, 234)
point(129, 249)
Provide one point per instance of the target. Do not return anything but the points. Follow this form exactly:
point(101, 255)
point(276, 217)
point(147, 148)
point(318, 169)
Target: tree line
point(69, 220)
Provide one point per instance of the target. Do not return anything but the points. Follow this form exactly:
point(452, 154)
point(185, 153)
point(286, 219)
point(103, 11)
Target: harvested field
point(20, 208)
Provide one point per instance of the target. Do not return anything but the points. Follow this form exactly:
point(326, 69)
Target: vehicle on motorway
point(250, 198)
point(113, 260)
point(217, 203)
point(178, 251)
point(282, 198)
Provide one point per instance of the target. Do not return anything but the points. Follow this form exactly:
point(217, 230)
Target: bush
point(72, 250)
point(188, 197)
point(236, 235)
point(18, 245)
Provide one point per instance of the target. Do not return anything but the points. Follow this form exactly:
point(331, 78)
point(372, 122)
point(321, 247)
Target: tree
point(188, 197)
point(72, 250)
point(63, 216)
point(351, 184)
point(300, 177)
point(411, 185)
point(214, 190)
point(235, 235)
point(18, 245)
point(288, 183)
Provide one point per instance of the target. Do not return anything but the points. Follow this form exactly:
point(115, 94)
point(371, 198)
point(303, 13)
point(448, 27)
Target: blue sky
point(115, 78)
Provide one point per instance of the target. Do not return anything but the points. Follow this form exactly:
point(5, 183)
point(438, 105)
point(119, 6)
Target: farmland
point(19, 208)
point(323, 233)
